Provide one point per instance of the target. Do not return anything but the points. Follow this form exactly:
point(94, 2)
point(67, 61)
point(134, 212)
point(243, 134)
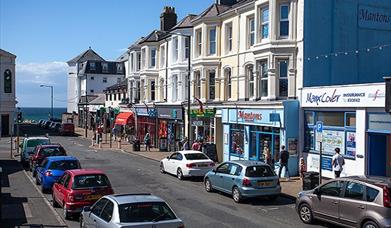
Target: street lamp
point(51, 92)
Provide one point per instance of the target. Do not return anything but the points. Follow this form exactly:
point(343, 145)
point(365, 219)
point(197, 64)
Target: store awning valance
point(124, 118)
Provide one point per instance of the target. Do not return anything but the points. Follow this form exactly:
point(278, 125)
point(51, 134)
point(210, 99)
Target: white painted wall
point(73, 91)
point(97, 83)
point(7, 100)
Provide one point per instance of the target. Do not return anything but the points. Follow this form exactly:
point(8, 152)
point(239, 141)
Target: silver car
point(359, 201)
point(130, 210)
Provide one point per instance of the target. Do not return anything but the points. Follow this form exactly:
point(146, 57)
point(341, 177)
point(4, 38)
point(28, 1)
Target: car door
point(326, 201)
point(104, 218)
point(91, 218)
point(41, 170)
point(352, 205)
point(217, 178)
point(57, 186)
point(233, 173)
point(63, 190)
point(178, 162)
point(170, 163)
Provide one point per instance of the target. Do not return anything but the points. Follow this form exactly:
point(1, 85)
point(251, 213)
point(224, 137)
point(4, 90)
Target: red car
point(67, 129)
point(43, 151)
point(78, 188)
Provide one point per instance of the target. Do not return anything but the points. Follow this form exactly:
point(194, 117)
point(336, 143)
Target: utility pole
point(188, 91)
point(86, 111)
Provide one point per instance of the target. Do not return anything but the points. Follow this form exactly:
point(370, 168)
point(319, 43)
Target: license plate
point(202, 165)
point(264, 183)
point(93, 197)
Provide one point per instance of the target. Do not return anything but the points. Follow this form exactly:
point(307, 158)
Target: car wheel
point(54, 202)
point(162, 168)
point(37, 180)
point(65, 212)
point(305, 213)
point(370, 224)
point(208, 185)
point(179, 174)
point(43, 189)
point(236, 195)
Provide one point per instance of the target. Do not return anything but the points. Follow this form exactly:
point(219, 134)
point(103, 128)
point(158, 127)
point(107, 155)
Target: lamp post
point(51, 92)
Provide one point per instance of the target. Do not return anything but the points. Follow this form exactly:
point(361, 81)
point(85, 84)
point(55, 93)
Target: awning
point(123, 118)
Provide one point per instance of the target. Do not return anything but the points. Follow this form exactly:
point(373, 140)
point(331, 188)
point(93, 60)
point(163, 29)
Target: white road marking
point(27, 210)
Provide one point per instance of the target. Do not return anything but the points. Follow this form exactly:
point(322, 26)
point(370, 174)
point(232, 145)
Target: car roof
point(190, 152)
point(135, 198)
point(374, 180)
point(247, 162)
point(76, 172)
point(37, 138)
point(61, 158)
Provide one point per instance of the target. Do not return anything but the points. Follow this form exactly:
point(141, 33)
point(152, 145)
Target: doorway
point(260, 141)
point(5, 122)
point(379, 159)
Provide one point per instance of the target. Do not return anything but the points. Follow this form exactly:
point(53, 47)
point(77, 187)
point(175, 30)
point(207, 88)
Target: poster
point(350, 144)
point(292, 146)
point(331, 140)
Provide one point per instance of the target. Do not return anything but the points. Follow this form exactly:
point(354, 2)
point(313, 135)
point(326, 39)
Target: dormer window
point(105, 67)
point(92, 66)
point(120, 69)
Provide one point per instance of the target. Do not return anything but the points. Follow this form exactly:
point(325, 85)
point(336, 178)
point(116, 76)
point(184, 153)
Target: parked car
point(43, 151)
point(188, 163)
point(51, 126)
point(67, 129)
point(359, 201)
point(78, 188)
point(47, 124)
point(243, 179)
point(52, 168)
point(56, 127)
point(28, 146)
point(130, 210)
point(43, 123)
point(40, 123)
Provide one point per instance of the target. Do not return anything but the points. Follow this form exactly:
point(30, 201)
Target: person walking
point(147, 141)
point(284, 157)
point(338, 162)
point(196, 145)
point(185, 144)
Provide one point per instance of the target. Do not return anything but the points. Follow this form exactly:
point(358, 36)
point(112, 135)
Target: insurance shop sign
point(346, 96)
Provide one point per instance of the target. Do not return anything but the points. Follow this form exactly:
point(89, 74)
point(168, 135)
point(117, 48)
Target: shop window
point(309, 117)
point(350, 119)
point(237, 139)
point(309, 139)
point(331, 118)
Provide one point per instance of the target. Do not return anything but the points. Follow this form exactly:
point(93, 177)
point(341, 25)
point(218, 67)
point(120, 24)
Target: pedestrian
point(284, 157)
point(147, 141)
point(338, 162)
point(185, 144)
point(196, 145)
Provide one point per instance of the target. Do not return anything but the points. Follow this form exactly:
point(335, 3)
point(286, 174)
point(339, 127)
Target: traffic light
point(388, 94)
point(19, 117)
point(112, 114)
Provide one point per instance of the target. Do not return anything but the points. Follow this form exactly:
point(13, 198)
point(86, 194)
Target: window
point(223, 168)
point(251, 31)
point(197, 81)
point(175, 46)
point(309, 117)
point(143, 58)
point(104, 80)
point(371, 194)
point(120, 68)
point(107, 97)
point(187, 47)
point(237, 139)
point(144, 212)
point(333, 188)
point(174, 87)
point(161, 89)
point(105, 67)
point(85, 181)
point(153, 57)
point(92, 66)
point(251, 80)
point(7, 81)
point(335, 119)
point(138, 91)
point(228, 78)
point(98, 207)
point(351, 119)
point(162, 56)
point(264, 23)
point(259, 171)
point(212, 41)
point(354, 191)
point(199, 42)
point(132, 62)
point(111, 97)
point(119, 96)
point(138, 61)
point(284, 20)
point(66, 181)
point(228, 41)
point(107, 212)
point(212, 83)
point(153, 87)
point(115, 96)
point(235, 170)
point(263, 84)
point(92, 78)
point(283, 78)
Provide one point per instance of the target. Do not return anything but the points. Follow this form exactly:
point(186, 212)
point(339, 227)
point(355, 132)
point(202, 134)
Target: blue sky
point(44, 34)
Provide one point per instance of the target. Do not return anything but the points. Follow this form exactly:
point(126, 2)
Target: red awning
point(124, 118)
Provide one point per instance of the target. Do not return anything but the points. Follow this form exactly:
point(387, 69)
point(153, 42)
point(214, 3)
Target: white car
point(188, 163)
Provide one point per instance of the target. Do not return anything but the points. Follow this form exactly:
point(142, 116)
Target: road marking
point(58, 217)
point(27, 210)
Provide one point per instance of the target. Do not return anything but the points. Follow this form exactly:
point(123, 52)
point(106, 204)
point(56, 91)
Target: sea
point(36, 114)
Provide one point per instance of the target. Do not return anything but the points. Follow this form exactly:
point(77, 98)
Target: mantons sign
point(351, 96)
point(249, 116)
point(374, 17)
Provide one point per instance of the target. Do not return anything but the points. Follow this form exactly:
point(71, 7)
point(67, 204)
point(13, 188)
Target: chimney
point(168, 18)
point(226, 2)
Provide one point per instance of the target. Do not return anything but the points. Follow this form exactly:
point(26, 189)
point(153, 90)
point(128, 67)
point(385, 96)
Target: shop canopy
point(123, 118)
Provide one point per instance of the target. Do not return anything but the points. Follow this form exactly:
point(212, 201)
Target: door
point(228, 180)
point(352, 206)
point(105, 217)
point(63, 190)
point(377, 161)
point(170, 163)
point(326, 203)
point(91, 218)
point(57, 187)
point(221, 172)
point(5, 121)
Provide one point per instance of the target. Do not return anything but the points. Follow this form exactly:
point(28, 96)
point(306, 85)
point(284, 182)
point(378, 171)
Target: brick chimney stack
point(168, 18)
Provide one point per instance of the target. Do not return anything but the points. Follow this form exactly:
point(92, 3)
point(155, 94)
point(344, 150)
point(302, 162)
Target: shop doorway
point(5, 122)
point(261, 142)
point(379, 160)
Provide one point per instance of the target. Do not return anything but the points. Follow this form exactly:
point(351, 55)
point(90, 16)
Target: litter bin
point(310, 180)
point(163, 144)
point(136, 145)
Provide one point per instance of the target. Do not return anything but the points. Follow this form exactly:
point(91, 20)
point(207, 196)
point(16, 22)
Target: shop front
point(203, 124)
point(171, 129)
point(251, 133)
point(146, 122)
point(353, 120)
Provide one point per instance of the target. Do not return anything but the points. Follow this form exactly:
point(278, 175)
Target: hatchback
point(359, 201)
point(28, 146)
point(78, 188)
point(243, 179)
point(43, 151)
point(130, 210)
point(53, 168)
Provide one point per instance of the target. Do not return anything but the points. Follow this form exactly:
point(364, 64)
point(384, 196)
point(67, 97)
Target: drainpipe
point(238, 49)
point(166, 81)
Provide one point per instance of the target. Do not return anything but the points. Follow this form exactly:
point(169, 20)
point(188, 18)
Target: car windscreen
point(36, 142)
point(145, 212)
point(52, 151)
point(65, 165)
point(90, 181)
point(196, 156)
point(259, 171)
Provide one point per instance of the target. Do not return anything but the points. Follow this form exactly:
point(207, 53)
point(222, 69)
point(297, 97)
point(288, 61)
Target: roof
point(121, 85)
point(100, 99)
point(154, 36)
point(136, 44)
point(37, 138)
point(212, 11)
point(185, 22)
point(61, 158)
point(89, 54)
point(124, 57)
point(135, 198)
point(6, 53)
point(76, 172)
point(50, 145)
point(375, 180)
point(248, 163)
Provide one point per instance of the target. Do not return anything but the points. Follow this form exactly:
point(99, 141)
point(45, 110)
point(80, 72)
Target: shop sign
point(347, 96)
point(206, 113)
point(374, 17)
point(327, 163)
point(151, 112)
point(257, 116)
point(197, 123)
point(249, 116)
point(169, 113)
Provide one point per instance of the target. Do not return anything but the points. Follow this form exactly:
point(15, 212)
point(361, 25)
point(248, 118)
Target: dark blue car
point(52, 169)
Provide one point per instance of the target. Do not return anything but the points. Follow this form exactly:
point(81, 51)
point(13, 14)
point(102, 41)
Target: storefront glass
point(262, 140)
point(237, 140)
point(144, 125)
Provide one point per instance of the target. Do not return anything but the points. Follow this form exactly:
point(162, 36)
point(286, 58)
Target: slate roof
point(121, 85)
point(212, 11)
point(136, 44)
point(185, 22)
point(86, 55)
point(124, 57)
point(6, 53)
point(99, 100)
point(154, 36)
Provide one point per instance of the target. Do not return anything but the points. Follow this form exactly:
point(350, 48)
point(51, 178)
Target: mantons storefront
point(249, 133)
point(350, 116)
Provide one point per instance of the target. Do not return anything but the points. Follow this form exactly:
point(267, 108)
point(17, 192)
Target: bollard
point(119, 144)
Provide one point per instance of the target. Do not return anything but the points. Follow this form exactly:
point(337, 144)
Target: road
point(130, 173)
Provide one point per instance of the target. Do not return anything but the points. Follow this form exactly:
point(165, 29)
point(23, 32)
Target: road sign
point(319, 131)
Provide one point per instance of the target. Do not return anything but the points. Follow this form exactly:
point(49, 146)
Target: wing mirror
point(214, 170)
point(317, 192)
point(168, 157)
point(86, 208)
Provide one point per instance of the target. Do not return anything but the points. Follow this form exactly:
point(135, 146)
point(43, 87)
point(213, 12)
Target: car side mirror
point(86, 208)
point(214, 170)
point(168, 157)
point(317, 192)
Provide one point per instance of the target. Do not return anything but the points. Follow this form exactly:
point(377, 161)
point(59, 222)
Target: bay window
point(212, 41)
point(263, 76)
point(251, 80)
point(264, 23)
